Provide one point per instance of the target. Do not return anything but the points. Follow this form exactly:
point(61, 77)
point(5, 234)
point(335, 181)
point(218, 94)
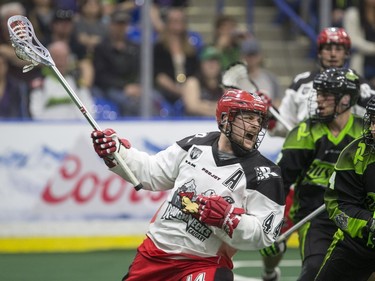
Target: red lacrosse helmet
point(334, 35)
point(235, 100)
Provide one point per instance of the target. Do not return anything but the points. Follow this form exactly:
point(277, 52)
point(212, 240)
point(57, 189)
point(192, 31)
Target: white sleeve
point(155, 172)
point(288, 111)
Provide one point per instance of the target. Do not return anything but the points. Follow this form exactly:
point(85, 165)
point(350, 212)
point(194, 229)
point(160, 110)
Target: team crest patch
point(264, 173)
point(342, 220)
point(195, 153)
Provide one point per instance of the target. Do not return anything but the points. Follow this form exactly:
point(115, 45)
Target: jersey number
point(200, 277)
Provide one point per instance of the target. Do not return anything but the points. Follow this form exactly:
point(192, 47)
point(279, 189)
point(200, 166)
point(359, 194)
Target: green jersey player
point(309, 154)
point(350, 202)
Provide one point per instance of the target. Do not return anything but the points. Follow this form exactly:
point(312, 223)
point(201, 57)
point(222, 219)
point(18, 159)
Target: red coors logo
point(87, 186)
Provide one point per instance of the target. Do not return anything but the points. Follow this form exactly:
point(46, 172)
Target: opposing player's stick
point(287, 233)
point(28, 48)
point(236, 75)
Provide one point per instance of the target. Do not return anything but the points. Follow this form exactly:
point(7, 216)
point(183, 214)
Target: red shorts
point(152, 264)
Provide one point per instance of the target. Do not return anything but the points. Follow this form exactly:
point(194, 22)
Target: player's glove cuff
point(274, 250)
point(370, 229)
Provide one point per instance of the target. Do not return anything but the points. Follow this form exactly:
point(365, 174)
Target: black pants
point(315, 238)
point(344, 263)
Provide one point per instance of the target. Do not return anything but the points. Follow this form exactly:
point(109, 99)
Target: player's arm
point(156, 172)
point(288, 111)
point(350, 195)
point(366, 93)
point(296, 154)
point(265, 205)
point(255, 223)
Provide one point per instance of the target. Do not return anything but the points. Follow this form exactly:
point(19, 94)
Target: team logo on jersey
point(264, 173)
point(195, 153)
point(184, 198)
point(342, 220)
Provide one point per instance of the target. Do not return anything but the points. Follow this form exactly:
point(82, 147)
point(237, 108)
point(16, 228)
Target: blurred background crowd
point(97, 47)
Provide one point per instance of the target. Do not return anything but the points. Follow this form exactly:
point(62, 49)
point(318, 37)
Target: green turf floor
point(112, 265)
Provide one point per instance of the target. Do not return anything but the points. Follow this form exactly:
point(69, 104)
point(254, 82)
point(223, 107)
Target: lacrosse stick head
point(237, 76)
point(27, 47)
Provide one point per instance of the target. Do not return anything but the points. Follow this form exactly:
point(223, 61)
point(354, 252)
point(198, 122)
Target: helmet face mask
point(336, 82)
point(368, 121)
point(242, 117)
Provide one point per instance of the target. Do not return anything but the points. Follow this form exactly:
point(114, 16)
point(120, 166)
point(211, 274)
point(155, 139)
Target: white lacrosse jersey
point(295, 104)
point(191, 167)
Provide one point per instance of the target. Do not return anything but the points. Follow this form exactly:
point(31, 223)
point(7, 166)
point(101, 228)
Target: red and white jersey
point(191, 167)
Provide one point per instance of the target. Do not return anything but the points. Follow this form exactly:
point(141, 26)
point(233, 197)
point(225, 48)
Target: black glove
point(274, 250)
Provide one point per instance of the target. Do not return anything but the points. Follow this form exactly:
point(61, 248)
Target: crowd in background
point(96, 46)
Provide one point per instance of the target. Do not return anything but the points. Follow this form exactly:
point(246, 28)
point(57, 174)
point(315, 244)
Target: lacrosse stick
point(237, 76)
point(289, 232)
point(28, 48)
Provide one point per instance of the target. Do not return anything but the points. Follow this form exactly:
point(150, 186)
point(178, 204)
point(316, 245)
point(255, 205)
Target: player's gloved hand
point(106, 143)
point(268, 102)
point(216, 211)
point(371, 233)
point(265, 98)
point(274, 250)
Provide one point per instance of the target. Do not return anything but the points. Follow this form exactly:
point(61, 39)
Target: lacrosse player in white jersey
point(224, 194)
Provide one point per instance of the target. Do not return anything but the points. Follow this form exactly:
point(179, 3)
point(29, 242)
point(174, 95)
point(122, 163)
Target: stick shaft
point(94, 125)
point(280, 118)
point(76, 99)
point(287, 233)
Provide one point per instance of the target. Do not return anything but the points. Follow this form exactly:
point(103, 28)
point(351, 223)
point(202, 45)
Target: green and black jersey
point(350, 198)
point(308, 156)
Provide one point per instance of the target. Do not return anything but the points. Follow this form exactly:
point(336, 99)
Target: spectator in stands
point(66, 5)
point(227, 39)
point(338, 8)
point(62, 26)
point(15, 64)
point(13, 94)
point(40, 13)
point(48, 98)
point(62, 30)
point(175, 58)
point(201, 92)
point(266, 81)
point(359, 22)
point(116, 64)
point(89, 29)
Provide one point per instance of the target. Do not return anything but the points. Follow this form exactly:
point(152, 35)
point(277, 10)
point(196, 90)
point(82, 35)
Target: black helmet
point(369, 115)
point(340, 82)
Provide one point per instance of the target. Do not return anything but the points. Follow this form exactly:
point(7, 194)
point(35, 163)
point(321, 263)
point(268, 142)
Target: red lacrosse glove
point(215, 211)
point(265, 98)
point(106, 143)
point(268, 102)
